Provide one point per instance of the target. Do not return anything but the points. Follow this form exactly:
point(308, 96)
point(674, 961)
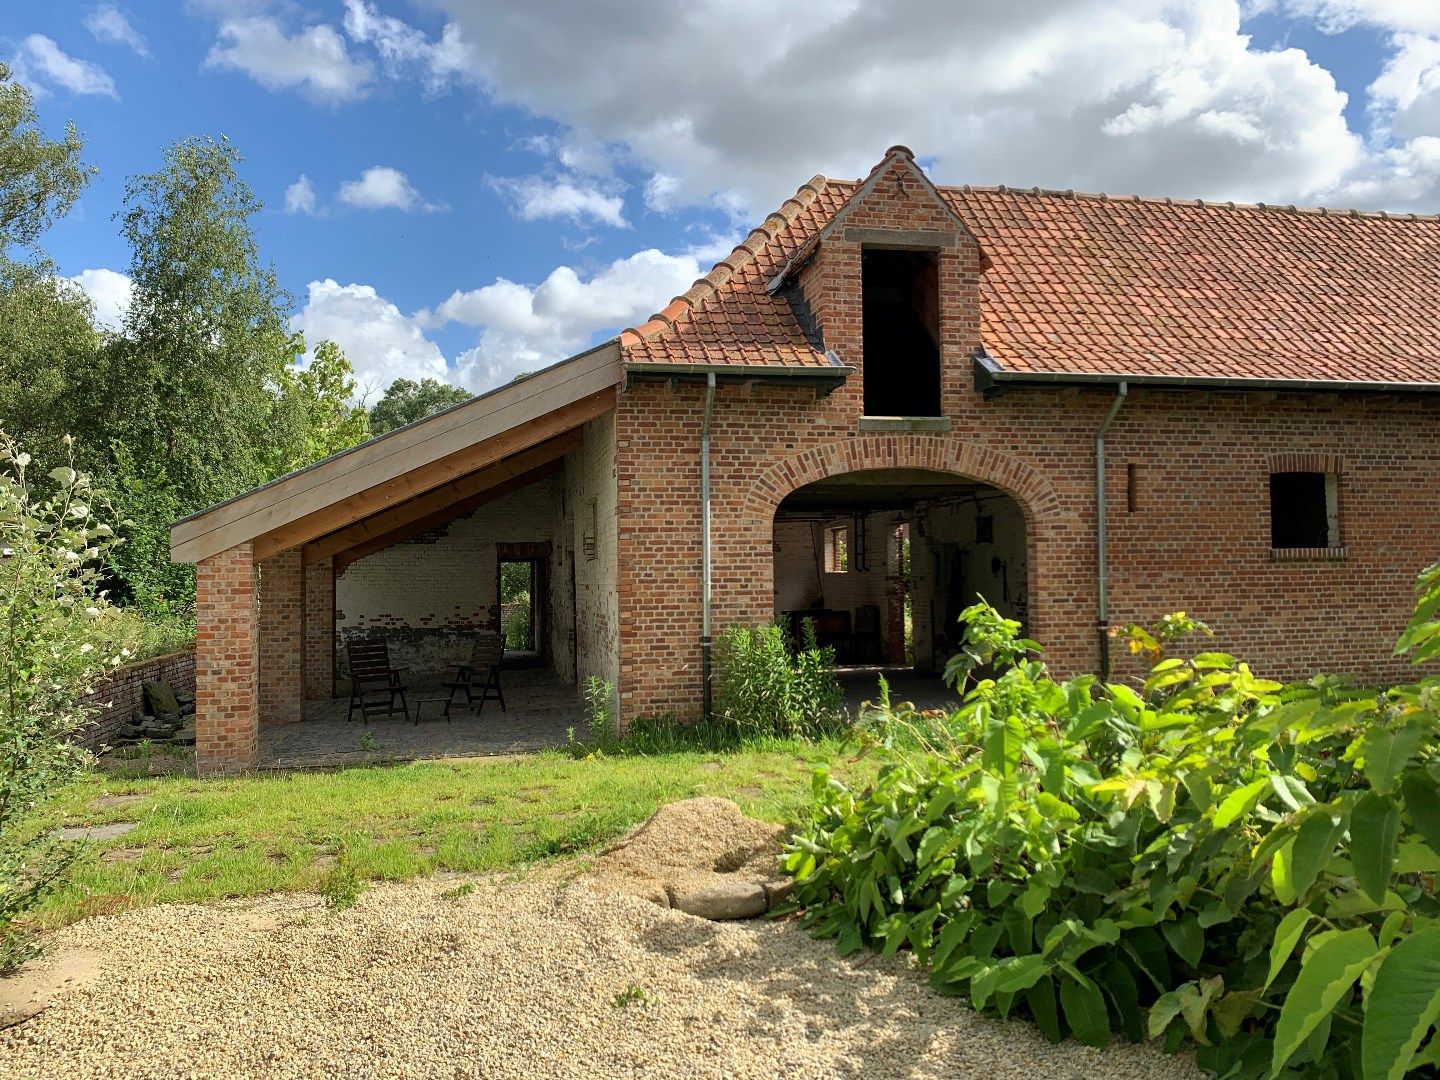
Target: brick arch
point(1028, 487)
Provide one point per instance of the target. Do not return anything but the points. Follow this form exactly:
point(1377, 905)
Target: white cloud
point(109, 292)
point(381, 187)
point(108, 24)
point(300, 197)
point(523, 327)
point(42, 65)
point(314, 61)
point(535, 197)
point(1154, 96)
point(1336, 16)
point(402, 48)
point(382, 343)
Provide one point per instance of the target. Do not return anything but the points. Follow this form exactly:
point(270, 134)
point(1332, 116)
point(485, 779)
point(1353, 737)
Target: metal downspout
point(1102, 549)
point(706, 700)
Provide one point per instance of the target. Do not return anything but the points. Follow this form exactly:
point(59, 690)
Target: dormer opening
point(901, 312)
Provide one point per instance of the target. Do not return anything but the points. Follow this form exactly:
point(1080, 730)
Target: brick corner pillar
point(227, 718)
point(281, 608)
point(320, 630)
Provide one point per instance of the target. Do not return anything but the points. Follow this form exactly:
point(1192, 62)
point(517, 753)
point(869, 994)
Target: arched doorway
point(882, 561)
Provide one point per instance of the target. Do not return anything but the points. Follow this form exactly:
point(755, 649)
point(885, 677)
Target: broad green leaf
point(1386, 755)
point(1292, 791)
point(1314, 844)
point(1084, 1008)
point(930, 843)
point(1287, 934)
point(1239, 803)
point(1404, 1004)
point(1041, 999)
point(1374, 828)
point(1325, 978)
point(1119, 984)
point(1020, 973)
point(1422, 803)
point(1186, 938)
point(1280, 873)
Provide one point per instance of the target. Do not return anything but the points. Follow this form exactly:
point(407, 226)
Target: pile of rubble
point(701, 856)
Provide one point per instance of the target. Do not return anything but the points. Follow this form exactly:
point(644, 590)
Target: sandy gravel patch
point(529, 978)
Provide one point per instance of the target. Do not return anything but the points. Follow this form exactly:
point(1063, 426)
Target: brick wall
point(320, 630)
point(227, 722)
point(594, 544)
point(281, 614)
point(118, 700)
point(1197, 538)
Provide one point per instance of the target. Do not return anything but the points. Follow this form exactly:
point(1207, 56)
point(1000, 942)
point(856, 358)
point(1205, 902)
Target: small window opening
point(985, 529)
point(1131, 495)
point(837, 550)
point(901, 334)
point(1304, 510)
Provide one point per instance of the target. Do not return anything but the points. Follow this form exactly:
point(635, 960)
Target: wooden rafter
point(443, 516)
point(457, 491)
point(406, 462)
point(346, 511)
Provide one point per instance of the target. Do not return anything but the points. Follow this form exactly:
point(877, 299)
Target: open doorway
point(901, 332)
point(882, 562)
point(522, 611)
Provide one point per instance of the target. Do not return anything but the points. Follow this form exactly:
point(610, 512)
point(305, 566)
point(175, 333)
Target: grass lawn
point(199, 840)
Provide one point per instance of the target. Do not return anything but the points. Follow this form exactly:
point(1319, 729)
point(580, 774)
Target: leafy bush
point(517, 626)
point(1212, 858)
point(763, 688)
point(51, 551)
point(141, 635)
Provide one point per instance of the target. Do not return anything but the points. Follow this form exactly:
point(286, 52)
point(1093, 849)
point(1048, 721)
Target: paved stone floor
point(541, 711)
point(926, 691)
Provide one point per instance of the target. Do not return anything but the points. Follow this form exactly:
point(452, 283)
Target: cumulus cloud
point(381, 342)
point(109, 292)
point(533, 198)
point(522, 327)
point(404, 49)
point(381, 187)
point(43, 66)
point(1155, 96)
point(315, 61)
point(108, 24)
point(300, 197)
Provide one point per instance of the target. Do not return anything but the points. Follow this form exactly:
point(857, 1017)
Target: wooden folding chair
point(375, 686)
point(478, 681)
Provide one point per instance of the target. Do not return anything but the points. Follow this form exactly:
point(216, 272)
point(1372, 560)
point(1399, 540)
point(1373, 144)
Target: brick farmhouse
point(891, 398)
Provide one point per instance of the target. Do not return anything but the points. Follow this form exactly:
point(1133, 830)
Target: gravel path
point(528, 978)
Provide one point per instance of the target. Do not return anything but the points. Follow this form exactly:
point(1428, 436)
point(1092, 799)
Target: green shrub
point(51, 551)
point(763, 688)
point(517, 626)
point(1212, 858)
point(141, 635)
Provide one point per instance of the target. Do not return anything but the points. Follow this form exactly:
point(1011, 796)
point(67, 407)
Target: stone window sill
point(1310, 554)
point(904, 423)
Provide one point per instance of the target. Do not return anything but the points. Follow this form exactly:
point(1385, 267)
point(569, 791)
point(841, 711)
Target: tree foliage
point(316, 412)
point(40, 178)
point(1211, 858)
point(50, 598)
point(407, 401)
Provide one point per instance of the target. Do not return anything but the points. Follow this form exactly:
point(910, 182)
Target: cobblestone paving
point(541, 711)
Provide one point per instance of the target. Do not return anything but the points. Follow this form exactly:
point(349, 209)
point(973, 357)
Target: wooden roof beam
point(443, 516)
point(440, 498)
point(347, 511)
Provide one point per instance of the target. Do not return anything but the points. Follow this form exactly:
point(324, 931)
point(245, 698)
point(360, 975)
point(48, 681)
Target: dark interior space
point(1299, 516)
point(901, 332)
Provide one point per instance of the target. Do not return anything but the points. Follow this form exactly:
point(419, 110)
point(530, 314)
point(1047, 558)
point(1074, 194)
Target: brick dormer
point(897, 270)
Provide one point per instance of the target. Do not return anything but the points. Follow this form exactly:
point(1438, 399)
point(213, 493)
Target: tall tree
point(188, 392)
point(407, 401)
point(46, 329)
point(317, 414)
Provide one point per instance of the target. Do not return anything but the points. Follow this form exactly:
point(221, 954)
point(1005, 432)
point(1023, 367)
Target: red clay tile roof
point(1111, 285)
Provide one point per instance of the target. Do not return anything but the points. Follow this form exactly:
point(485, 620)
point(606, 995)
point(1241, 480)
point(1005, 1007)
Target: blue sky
point(470, 189)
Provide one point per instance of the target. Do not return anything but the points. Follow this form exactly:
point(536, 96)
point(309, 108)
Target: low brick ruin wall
point(117, 698)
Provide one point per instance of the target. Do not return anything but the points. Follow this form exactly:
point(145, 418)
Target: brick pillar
point(282, 639)
point(227, 720)
point(320, 630)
